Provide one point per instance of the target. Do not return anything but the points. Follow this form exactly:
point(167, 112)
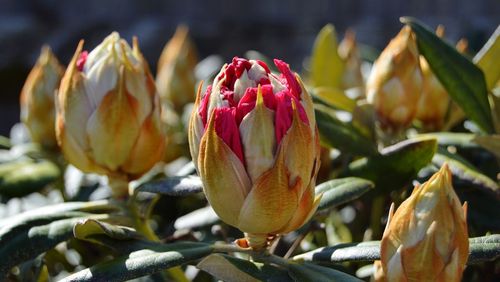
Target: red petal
point(264, 65)
point(240, 65)
point(81, 60)
point(293, 84)
point(227, 130)
point(247, 102)
point(284, 113)
point(203, 109)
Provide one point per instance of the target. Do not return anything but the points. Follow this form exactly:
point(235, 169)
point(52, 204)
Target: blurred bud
point(37, 98)
point(108, 113)
point(426, 239)
point(175, 75)
point(348, 51)
point(254, 140)
point(395, 82)
point(434, 103)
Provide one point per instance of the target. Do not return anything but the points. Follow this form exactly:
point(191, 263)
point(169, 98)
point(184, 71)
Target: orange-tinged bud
point(426, 239)
point(434, 103)
point(175, 75)
point(395, 82)
point(108, 112)
point(37, 98)
point(348, 51)
point(254, 140)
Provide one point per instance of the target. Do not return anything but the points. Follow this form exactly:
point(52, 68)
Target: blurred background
point(283, 29)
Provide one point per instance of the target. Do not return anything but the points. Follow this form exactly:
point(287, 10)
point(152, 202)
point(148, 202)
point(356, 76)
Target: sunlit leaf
point(487, 59)
point(326, 65)
point(24, 177)
point(340, 191)
point(340, 135)
point(142, 262)
point(228, 268)
point(396, 165)
point(314, 273)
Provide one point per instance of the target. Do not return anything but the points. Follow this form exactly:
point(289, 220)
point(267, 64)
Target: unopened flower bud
point(254, 140)
point(434, 102)
point(348, 51)
point(426, 238)
point(175, 75)
point(37, 99)
point(395, 82)
point(108, 112)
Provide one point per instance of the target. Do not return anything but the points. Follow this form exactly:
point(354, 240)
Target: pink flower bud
point(254, 141)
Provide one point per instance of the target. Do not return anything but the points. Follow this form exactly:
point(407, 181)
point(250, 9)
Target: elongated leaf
point(334, 98)
point(481, 249)
point(466, 172)
point(463, 80)
point(460, 140)
point(44, 214)
point(490, 143)
point(314, 273)
point(31, 233)
point(4, 142)
point(18, 180)
point(142, 262)
point(173, 186)
point(487, 59)
point(326, 65)
point(396, 165)
point(120, 239)
point(343, 136)
point(486, 248)
point(21, 244)
point(196, 219)
point(340, 191)
point(228, 268)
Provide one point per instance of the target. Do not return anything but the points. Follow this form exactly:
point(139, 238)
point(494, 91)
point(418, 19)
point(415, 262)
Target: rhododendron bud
point(426, 238)
point(108, 114)
point(434, 102)
point(175, 75)
point(395, 82)
point(348, 51)
point(254, 140)
point(37, 99)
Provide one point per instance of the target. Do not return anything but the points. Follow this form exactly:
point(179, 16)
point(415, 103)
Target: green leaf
point(334, 98)
point(487, 59)
point(460, 140)
point(465, 171)
point(196, 219)
point(173, 186)
point(228, 268)
point(4, 142)
point(486, 248)
point(28, 239)
point(396, 165)
point(326, 65)
point(90, 228)
point(18, 179)
point(31, 233)
point(314, 273)
point(340, 191)
point(364, 251)
point(464, 81)
point(143, 262)
point(490, 143)
point(340, 135)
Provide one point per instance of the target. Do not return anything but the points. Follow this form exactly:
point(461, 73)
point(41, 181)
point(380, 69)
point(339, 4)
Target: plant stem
point(142, 226)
